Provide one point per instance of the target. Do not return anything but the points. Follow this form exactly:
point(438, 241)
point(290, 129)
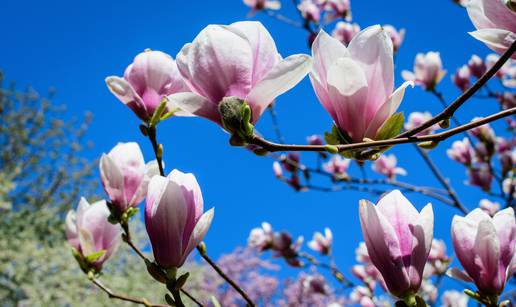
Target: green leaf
point(157, 114)
point(95, 256)
point(181, 281)
point(391, 127)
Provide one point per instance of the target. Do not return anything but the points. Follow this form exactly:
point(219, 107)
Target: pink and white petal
point(459, 275)
point(387, 109)
point(477, 14)
point(496, 39)
point(408, 75)
point(372, 48)
point(322, 95)
point(127, 95)
point(422, 234)
point(199, 232)
point(112, 180)
point(498, 12)
point(81, 210)
point(383, 247)
point(190, 104)
point(265, 54)
point(325, 51)
point(505, 225)
point(487, 253)
point(281, 78)
point(72, 234)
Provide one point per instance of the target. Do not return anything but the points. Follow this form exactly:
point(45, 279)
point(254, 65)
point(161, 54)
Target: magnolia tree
point(232, 74)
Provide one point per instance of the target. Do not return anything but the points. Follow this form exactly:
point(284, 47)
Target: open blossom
point(174, 217)
point(416, 119)
point(152, 76)
point(481, 177)
point(322, 243)
point(387, 165)
point(489, 207)
point(261, 238)
point(125, 175)
point(495, 23)
point(476, 66)
point(396, 36)
point(309, 10)
point(239, 60)
point(283, 246)
point(461, 78)
point(89, 231)
point(258, 5)
point(345, 31)
point(428, 70)
point(452, 298)
point(462, 152)
point(438, 261)
point(485, 246)
point(337, 166)
point(355, 84)
point(337, 9)
point(398, 240)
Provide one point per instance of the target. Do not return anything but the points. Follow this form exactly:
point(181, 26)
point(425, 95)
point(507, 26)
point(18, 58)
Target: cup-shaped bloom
point(152, 76)
point(355, 83)
point(396, 36)
point(322, 243)
point(485, 246)
point(462, 152)
point(337, 166)
point(417, 119)
point(125, 175)
point(345, 31)
point(476, 66)
point(239, 60)
point(89, 232)
point(428, 70)
point(337, 9)
point(309, 10)
point(495, 23)
point(174, 217)
point(398, 240)
point(261, 238)
point(387, 166)
point(461, 78)
point(480, 176)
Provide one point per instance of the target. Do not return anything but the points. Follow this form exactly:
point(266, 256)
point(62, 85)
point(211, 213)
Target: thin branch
point(275, 124)
point(219, 271)
point(282, 18)
point(151, 131)
point(437, 137)
point(123, 297)
point(331, 267)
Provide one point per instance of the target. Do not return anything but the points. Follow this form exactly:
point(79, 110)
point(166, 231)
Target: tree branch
point(123, 297)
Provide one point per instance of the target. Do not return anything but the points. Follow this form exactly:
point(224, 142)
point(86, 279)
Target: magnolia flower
point(438, 261)
point(261, 238)
point(174, 217)
point(386, 165)
point(125, 176)
point(461, 78)
point(258, 5)
point(416, 119)
point(355, 84)
point(337, 9)
point(396, 36)
point(428, 70)
point(309, 10)
point(461, 151)
point(484, 246)
point(238, 60)
point(398, 240)
point(337, 166)
point(322, 243)
point(345, 31)
point(362, 296)
point(481, 177)
point(89, 232)
point(491, 60)
point(476, 66)
point(367, 273)
point(361, 254)
point(452, 298)
point(489, 207)
point(151, 77)
point(495, 23)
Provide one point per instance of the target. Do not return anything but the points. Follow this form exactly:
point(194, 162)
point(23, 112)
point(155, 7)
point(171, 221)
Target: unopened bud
point(331, 149)
point(159, 152)
point(445, 123)
point(428, 144)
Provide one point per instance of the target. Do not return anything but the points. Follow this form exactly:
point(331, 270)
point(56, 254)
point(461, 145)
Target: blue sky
point(74, 45)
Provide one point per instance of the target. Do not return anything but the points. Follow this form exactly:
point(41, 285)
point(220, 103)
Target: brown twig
point(151, 131)
point(226, 277)
point(437, 137)
point(123, 297)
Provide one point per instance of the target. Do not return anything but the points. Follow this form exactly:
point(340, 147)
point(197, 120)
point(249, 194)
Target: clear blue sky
point(74, 45)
